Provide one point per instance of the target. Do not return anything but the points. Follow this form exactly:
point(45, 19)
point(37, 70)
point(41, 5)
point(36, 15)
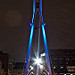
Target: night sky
point(15, 15)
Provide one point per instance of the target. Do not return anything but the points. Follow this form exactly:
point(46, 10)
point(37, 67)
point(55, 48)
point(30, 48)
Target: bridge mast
point(37, 12)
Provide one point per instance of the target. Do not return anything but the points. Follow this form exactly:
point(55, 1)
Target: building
point(4, 60)
point(63, 61)
point(18, 69)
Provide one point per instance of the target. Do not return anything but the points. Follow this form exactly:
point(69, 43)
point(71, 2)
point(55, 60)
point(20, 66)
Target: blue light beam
point(41, 10)
point(33, 6)
point(29, 48)
point(41, 6)
point(46, 49)
point(30, 39)
point(33, 11)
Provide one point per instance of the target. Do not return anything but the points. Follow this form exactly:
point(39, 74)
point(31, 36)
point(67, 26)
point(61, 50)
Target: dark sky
point(15, 15)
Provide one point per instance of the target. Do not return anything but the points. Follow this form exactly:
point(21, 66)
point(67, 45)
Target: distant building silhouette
point(63, 61)
point(4, 61)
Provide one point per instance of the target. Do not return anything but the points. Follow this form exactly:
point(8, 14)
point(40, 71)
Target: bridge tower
point(37, 62)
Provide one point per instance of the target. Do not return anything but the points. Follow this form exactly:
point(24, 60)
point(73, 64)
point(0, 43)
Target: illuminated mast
point(37, 12)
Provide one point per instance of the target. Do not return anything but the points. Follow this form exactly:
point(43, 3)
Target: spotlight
point(41, 66)
point(38, 61)
point(32, 72)
point(31, 67)
point(43, 54)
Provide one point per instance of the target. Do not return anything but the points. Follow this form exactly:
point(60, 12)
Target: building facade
point(63, 61)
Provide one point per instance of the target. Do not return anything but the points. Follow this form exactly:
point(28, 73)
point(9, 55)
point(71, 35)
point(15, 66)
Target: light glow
point(41, 10)
point(29, 48)
point(32, 72)
point(46, 49)
point(37, 61)
point(43, 54)
point(32, 68)
point(41, 66)
point(33, 11)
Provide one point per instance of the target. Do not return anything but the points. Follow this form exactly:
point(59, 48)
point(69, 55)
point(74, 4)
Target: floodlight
point(38, 61)
point(31, 67)
point(41, 66)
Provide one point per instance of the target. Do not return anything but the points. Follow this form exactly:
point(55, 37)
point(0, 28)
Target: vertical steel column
point(46, 49)
point(30, 39)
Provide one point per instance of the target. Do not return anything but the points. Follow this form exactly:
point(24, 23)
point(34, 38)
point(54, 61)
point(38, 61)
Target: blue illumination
point(42, 18)
point(29, 47)
point(33, 11)
point(31, 36)
point(33, 6)
point(33, 17)
point(46, 49)
point(41, 10)
point(41, 6)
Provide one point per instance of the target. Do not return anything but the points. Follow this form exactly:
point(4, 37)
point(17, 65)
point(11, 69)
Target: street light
point(31, 67)
point(43, 54)
point(41, 66)
point(38, 61)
